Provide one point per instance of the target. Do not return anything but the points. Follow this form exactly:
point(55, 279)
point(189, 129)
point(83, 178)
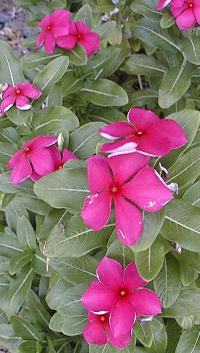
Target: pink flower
point(54, 25)
point(34, 161)
point(81, 34)
point(186, 12)
point(121, 294)
point(162, 3)
point(130, 183)
point(60, 158)
point(19, 95)
point(144, 131)
point(98, 331)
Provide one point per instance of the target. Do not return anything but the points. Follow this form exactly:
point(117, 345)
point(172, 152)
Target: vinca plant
point(100, 179)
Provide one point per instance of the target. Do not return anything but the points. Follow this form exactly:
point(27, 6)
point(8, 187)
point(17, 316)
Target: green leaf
point(71, 83)
point(28, 347)
point(141, 64)
point(4, 264)
point(159, 336)
point(191, 49)
point(105, 30)
point(24, 328)
point(36, 58)
point(26, 234)
point(192, 195)
point(18, 291)
point(78, 56)
point(54, 120)
point(85, 14)
point(186, 169)
point(168, 282)
point(152, 226)
point(189, 300)
point(105, 93)
point(143, 333)
point(110, 349)
point(146, 9)
point(19, 261)
point(150, 261)
point(49, 76)
point(14, 211)
point(156, 37)
point(84, 140)
point(173, 333)
point(189, 341)
point(182, 225)
point(66, 188)
point(175, 84)
point(10, 69)
point(76, 239)
point(118, 251)
point(80, 270)
point(9, 245)
point(167, 20)
point(19, 117)
point(38, 311)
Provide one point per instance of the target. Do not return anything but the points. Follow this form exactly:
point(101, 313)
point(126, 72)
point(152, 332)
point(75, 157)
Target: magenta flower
point(19, 95)
point(121, 294)
point(53, 26)
point(162, 4)
point(80, 33)
point(98, 331)
point(144, 131)
point(186, 12)
point(34, 161)
point(60, 158)
point(128, 182)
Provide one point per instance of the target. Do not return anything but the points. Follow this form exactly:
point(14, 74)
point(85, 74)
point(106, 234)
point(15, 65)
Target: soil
point(13, 27)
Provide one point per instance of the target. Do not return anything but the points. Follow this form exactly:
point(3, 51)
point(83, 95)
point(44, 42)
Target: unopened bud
point(174, 187)
point(60, 141)
point(177, 248)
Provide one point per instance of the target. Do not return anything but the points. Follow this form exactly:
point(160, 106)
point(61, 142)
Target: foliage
point(47, 255)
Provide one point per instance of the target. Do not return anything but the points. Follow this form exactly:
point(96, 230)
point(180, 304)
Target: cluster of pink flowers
point(114, 302)
point(39, 157)
point(58, 29)
point(19, 95)
point(125, 177)
point(186, 12)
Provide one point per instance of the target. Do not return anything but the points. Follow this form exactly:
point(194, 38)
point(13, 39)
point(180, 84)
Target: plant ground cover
point(99, 177)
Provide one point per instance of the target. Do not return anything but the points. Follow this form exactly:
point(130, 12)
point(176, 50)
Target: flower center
point(190, 5)
point(18, 91)
point(114, 189)
point(79, 36)
point(103, 319)
point(123, 293)
point(60, 167)
point(27, 149)
point(48, 27)
point(139, 133)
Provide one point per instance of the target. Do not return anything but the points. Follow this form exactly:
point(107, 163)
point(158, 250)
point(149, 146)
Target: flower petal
point(94, 333)
point(49, 43)
point(147, 190)
point(110, 273)
point(15, 159)
point(116, 130)
point(96, 210)
point(22, 103)
point(132, 278)
point(29, 90)
point(21, 171)
point(9, 91)
point(67, 42)
point(7, 103)
point(124, 146)
point(161, 4)
point(98, 298)
point(197, 13)
point(146, 302)
point(40, 40)
point(99, 174)
point(119, 342)
point(35, 176)
point(122, 318)
point(67, 156)
point(82, 28)
point(60, 20)
point(153, 145)
point(171, 130)
point(128, 222)
point(125, 166)
point(91, 43)
point(186, 20)
point(42, 161)
point(141, 119)
point(41, 141)
point(45, 22)
point(177, 10)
